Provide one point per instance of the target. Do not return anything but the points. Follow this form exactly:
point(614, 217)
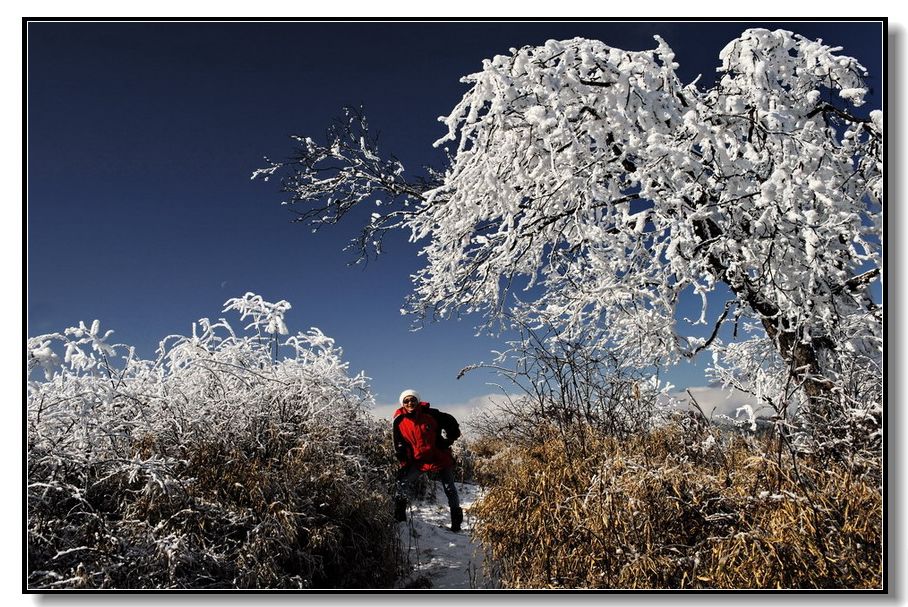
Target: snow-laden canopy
point(596, 172)
point(612, 188)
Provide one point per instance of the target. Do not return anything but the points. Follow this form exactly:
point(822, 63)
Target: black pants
point(407, 474)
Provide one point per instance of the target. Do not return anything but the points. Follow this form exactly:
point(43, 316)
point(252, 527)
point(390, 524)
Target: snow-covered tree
point(610, 189)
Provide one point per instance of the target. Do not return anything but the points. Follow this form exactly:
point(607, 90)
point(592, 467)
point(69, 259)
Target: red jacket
point(424, 438)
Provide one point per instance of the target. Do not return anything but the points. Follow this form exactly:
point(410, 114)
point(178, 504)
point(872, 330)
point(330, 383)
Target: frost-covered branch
point(327, 181)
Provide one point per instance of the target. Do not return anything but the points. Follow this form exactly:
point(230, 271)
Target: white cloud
point(720, 401)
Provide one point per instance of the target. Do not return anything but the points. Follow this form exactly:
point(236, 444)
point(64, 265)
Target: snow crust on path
point(440, 558)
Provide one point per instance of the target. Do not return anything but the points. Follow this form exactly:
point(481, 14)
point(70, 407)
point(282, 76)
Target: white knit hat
point(407, 393)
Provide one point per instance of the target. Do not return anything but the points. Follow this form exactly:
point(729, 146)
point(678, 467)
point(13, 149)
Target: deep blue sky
point(142, 138)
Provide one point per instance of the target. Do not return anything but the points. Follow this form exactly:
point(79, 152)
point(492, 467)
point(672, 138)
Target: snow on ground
point(440, 558)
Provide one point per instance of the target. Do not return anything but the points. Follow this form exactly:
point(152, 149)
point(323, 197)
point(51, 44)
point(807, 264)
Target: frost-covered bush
point(569, 383)
point(843, 424)
point(216, 465)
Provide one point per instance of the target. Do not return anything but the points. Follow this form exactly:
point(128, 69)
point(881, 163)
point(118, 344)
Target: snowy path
point(440, 558)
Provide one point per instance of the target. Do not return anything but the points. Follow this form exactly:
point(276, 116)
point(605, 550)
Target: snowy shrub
point(677, 508)
point(569, 383)
point(215, 465)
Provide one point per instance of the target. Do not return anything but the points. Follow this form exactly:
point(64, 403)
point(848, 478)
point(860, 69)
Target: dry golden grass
point(673, 509)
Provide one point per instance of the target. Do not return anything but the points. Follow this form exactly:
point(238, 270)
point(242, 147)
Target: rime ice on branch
point(596, 175)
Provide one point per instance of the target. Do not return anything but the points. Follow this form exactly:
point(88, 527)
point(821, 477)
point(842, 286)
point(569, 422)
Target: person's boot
point(400, 510)
point(456, 518)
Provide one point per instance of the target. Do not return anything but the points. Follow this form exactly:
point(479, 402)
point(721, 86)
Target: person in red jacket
point(422, 443)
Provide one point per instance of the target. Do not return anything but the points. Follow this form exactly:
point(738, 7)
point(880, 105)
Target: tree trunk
point(802, 358)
